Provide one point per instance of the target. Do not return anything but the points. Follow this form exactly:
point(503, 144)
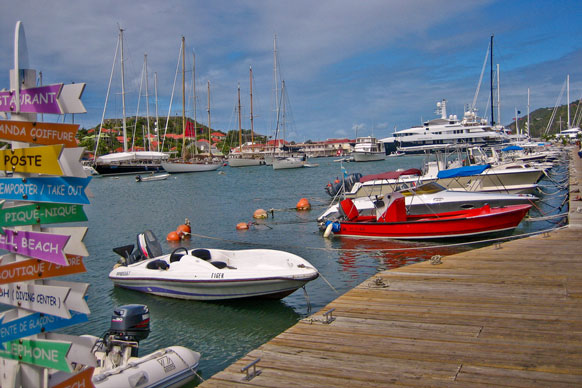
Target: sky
point(351, 68)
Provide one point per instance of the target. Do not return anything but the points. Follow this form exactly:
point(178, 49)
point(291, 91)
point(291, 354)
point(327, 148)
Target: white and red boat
point(392, 221)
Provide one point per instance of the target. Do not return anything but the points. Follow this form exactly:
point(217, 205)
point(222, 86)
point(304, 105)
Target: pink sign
point(43, 246)
point(43, 99)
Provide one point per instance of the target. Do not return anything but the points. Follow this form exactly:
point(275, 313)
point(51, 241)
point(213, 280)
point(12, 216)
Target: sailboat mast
point(498, 97)
point(183, 101)
point(157, 117)
point(124, 125)
point(209, 146)
point(194, 100)
point(147, 101)
point(275, 79)
point(239, 123)
point(568, 98)
point(491, 85)
point(252, 118)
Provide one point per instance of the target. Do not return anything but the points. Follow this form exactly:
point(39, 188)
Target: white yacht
point(445, 131)
point(368, 149)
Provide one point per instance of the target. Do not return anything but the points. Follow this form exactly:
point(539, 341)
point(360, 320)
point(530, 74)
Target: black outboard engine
point(130, 323)
point(147, 247)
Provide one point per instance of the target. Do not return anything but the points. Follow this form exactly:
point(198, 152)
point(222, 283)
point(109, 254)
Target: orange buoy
point(242, 226)
point(184, 230)
point(260, 213)
point(173, 236)
point(303, 204)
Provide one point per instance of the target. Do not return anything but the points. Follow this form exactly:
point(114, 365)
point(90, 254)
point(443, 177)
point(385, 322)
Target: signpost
point(55, 99)
point(38, 253)
point(43, 246)
point(55, 298)
point(34, 160)
point(34, 323)
point(33, 269)
point(45, 189)
point(39, 133)
point(45, 353)
point(41, 213)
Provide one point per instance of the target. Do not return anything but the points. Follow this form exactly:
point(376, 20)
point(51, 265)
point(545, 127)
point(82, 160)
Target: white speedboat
point(209, 274)
point(430, 198)
point(286, 162)
point(151, 177)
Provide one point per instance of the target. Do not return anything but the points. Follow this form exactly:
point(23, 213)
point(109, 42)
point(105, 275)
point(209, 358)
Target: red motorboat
point(391, 221)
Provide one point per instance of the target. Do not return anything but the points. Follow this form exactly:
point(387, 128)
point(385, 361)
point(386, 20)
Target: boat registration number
point(217, 275)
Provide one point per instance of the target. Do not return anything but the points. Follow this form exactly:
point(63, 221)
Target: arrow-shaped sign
point(80, 380)
point(70, 162)
point(33, 269)
point(45, 353)
point(32, 160)
point(41, 213)
point(54, 297)
point(80, 351)
point(41, 99)
point(13, 327)
point(39, 133)
point(43, 246)
point(75, 244)
point(45, 189)
point(70, 98)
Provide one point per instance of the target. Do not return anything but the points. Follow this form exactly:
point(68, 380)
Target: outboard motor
point(129, 325)
point(147, 246)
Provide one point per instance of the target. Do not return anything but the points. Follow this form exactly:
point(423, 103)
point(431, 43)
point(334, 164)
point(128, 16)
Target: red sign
point(82, 379)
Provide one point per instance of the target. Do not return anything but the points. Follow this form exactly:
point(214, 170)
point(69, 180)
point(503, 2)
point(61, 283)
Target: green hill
point(540, 118)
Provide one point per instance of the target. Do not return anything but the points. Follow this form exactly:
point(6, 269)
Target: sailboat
point(286, 157)
point(126, 162)
point(186, 164)
point(244, 158)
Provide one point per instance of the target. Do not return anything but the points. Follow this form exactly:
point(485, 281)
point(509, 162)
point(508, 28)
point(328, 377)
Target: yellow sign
point(39, 160)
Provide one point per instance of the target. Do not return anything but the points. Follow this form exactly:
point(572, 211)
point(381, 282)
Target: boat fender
point(173, 236)
point(331, 226)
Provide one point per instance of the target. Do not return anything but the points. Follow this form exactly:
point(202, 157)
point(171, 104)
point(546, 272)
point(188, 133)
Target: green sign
point(45, 353)
point(41, 213)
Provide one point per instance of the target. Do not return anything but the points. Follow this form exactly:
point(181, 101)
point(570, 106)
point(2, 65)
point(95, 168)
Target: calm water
point(215, 202)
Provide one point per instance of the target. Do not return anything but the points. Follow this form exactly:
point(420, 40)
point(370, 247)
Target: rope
point(545, 218)
point(185, 363)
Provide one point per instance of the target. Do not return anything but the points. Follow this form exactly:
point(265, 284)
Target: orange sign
point(33, 269)
point(82, 379)
point(39, 133)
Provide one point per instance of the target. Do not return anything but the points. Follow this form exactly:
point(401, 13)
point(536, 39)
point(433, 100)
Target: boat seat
point(218, 264)
point(203, 254)
point(158, 264)
point(348, 209)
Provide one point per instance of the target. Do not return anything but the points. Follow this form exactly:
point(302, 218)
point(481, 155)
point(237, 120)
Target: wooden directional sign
point(54, 297)
point(33, 269)
point(13, 327)
point(70, 162)
point(39, 133)
point(42, 99)
point(41, 213)
point(75, 244)
point(32, 160)
point(45, 189)
point(43, 246)
point(80, 380)
point(49, 354)
point(70, 98)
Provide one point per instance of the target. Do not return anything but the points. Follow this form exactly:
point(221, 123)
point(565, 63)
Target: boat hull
point(368, 156)
point(179, 168)
point(273, 288)
point(448, 225)
point(127, 169)
point(288, 162)
point(245, 162)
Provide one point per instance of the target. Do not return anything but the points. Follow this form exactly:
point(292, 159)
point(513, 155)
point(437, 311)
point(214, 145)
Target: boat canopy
point(463, 171)
point(512, 148)
point(390, 175)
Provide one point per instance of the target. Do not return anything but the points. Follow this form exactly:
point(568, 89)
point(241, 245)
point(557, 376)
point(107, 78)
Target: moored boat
point(391, 221)
point(209, 274)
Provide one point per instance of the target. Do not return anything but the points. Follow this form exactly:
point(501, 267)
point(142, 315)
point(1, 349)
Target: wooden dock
point(505, 315)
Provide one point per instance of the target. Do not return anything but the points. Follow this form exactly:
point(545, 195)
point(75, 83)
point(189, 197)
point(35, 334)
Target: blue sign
point(34, 324)
point(45, 189)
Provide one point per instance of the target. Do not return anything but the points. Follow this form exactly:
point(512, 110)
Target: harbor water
point(215, 202)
